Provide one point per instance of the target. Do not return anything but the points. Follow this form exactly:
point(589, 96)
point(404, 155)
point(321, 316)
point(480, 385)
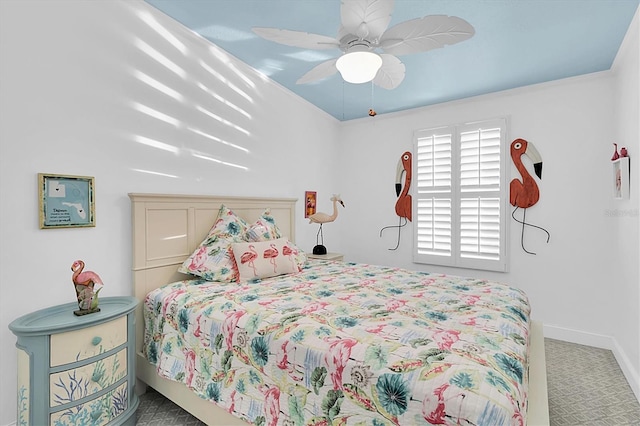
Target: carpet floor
point(585, 384)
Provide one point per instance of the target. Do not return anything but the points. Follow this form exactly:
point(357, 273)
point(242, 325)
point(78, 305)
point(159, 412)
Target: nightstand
point(328, 256)
point(76, 370)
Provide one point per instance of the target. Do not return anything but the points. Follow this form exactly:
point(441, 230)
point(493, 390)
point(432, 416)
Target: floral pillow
point(264, 228)
point(263, 259)
point(213, 260)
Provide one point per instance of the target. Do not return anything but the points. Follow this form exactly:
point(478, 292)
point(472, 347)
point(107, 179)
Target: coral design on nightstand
point(73, 385)
point(95, 413)
point(23, 388)
point(77, 370)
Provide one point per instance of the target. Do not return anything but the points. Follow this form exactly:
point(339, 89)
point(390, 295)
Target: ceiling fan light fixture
point(359, 66)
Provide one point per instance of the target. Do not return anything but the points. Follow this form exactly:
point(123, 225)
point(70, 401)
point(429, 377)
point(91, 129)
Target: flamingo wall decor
point(525, 193)
point(323, 218)
point(403, 203)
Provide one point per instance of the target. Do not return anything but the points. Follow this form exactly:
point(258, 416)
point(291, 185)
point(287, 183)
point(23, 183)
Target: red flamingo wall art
point(525, 193)
point(403, 203)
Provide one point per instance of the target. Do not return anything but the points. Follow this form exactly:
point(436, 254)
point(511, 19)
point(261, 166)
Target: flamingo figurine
point(403, 204)
point(615, 152)
point(85, 283)
point(525, 193)
point(623, 152)
point(323, 218)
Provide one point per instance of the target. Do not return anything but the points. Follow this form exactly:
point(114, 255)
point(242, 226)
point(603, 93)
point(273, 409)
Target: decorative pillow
point(263, 259)
point(213, 260)
point(264, 228)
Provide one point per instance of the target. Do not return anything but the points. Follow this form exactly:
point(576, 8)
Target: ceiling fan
point(369, 49)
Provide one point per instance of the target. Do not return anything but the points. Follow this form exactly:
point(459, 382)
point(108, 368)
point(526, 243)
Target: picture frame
point(66, 201)
point(310, 199)
point(621, 178)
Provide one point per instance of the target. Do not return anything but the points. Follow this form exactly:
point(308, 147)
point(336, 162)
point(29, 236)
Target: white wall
point(68, 75)
point(573, 282)
point(626, 219)
point(570, 122)
point(69, 86)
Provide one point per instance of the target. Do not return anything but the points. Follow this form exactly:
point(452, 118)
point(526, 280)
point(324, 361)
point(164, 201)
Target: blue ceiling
point(517, 43)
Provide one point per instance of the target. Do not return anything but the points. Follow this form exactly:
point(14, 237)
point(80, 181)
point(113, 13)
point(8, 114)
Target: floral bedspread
point(347, 344)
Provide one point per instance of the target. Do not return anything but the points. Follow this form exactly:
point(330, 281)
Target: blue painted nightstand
point(77, 370)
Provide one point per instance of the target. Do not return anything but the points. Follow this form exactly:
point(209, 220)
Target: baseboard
point(598, 341)
point(629, 372)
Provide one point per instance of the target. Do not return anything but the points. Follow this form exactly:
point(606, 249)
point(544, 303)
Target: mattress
point(349, 344)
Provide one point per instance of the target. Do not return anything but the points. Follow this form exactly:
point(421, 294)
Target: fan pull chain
point(372, 111)
point(342, 100)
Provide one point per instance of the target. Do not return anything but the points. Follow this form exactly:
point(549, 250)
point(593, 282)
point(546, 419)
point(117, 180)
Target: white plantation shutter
point(480, 228)
point(434, 226)
point(460, 195)
point(434, 177)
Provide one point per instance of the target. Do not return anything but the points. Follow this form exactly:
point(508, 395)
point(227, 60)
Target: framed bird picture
point(621, 178)
point(309, 203)
point(66, 201)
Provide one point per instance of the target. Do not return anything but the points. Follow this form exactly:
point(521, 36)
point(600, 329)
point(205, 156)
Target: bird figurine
point(372, 112)
point(623, 152)
point(615, 152)
point(323, 218)
point(87, 284)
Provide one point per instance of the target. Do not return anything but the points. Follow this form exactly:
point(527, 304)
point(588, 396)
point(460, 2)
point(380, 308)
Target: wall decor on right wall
point(621, 173)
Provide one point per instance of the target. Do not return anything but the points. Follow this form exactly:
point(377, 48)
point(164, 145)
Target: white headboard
point(168, 228)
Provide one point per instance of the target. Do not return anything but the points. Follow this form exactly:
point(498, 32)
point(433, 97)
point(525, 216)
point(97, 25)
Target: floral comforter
point(347, 344)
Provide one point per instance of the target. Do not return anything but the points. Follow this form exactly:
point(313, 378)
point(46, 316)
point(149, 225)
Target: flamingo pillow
point(263, 259)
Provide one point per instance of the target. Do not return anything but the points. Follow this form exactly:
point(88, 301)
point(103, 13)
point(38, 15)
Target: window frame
point(456, 195)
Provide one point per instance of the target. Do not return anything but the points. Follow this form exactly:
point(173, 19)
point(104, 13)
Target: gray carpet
point(586, 388)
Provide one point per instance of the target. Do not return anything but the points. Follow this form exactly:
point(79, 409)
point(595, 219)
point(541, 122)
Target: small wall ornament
point(621, 172)
point(87, 285)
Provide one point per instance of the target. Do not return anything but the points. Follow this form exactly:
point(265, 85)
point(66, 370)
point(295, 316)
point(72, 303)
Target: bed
point(399, 347)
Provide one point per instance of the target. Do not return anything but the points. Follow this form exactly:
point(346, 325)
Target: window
point(461, 196)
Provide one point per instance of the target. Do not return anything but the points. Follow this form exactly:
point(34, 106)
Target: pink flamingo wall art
point(403, 203)
point(525, 193)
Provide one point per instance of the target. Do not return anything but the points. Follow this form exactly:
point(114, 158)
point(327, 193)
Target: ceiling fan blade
point(367, 19)
point(297, 38)
point(324, 70)
point(391, 73)
point(422, 34)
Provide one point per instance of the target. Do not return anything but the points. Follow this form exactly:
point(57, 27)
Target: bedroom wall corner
point(625, 218)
